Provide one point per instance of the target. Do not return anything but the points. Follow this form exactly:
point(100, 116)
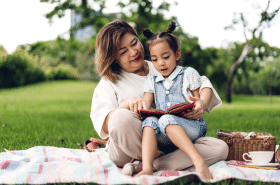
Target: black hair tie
point(172, 26)
point(147, 33)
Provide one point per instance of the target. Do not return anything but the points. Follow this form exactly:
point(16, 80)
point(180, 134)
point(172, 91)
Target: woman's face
point(131, 54)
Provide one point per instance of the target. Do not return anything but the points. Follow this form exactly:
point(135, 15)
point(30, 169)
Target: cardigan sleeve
point(103, 101)
point(215, 100)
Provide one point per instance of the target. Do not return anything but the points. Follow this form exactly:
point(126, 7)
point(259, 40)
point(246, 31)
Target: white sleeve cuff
point(215, 100)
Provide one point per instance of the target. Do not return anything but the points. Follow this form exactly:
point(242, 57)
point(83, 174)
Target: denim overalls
point(166, 98)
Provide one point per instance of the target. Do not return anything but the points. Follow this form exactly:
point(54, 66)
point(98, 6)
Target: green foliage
point(90, 17)
point(142, 15)
point(22, 68)
point(71, 53)
point(252, 76)
point(192, 54)
point(218, 64)
point(267, 80)
point(85, 61)
point(248, 78)
point(64, 72)
point(212, 62)
point(60, 50)
point(19, 69)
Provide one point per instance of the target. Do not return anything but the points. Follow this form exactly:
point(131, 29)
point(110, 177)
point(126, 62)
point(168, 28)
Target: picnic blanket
point(46, 164)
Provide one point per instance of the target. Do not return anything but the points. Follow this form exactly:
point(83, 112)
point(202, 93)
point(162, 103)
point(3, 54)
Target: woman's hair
point(107, 47)
point(154, 38)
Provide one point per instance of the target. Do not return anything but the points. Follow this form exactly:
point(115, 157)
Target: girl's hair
point(107, 47)
point(154, 38)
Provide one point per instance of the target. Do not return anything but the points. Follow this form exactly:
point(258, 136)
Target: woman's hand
point(134, 104)
point(198, 111)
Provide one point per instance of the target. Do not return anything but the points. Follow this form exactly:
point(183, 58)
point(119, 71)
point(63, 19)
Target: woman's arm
point(134, 104)
point(124, 105)
point(104, 102)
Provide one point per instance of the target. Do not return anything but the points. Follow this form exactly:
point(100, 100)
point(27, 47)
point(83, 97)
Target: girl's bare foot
point(131, 168)
point(145, 172)
point(202, 168)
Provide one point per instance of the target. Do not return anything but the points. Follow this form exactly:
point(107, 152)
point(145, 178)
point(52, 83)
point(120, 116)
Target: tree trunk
point(246, 50)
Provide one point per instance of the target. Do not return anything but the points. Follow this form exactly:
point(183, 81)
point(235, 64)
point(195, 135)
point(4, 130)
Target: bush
point(63, 72)
point(77, 54)
point(16, 70)
point(268, 78)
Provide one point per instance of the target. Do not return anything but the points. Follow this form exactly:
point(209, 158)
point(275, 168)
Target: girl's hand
point(134, 104)
point(198, 111)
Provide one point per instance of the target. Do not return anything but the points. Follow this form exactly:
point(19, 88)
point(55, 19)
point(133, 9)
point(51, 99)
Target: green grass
point(246, 114)
point(49, 114)
point(58, 114)
point(52, 112)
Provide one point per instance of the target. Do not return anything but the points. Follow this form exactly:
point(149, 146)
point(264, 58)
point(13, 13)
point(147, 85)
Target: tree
point(141, 14)
point(265, 20)
point(272, 74)
point(90, 17)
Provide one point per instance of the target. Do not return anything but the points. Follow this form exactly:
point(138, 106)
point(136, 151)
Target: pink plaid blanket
point(45, 164)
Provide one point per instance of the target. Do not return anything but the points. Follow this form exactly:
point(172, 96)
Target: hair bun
point(147, 33)
point(171, 27)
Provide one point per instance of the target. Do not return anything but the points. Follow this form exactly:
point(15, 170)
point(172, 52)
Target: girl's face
point(131, 54)
point(163, 58)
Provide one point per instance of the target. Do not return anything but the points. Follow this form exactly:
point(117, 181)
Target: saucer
point(268, 164)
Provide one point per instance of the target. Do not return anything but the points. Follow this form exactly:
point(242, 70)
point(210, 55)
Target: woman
point(120, 62)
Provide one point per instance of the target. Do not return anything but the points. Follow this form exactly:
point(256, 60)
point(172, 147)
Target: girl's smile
point(163, 70)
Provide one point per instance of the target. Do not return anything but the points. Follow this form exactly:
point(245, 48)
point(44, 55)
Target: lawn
point(51, 114)
point(246, 114)
point(58, 114)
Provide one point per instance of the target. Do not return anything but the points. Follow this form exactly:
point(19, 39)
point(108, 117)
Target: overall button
point(167, 92)
point(168, 104)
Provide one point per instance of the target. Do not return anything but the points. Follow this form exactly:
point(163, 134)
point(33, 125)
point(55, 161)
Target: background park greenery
point(46, 87)
point(56, 113)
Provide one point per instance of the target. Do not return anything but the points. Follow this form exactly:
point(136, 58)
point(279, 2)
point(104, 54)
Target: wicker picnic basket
point(277, 154)
point(240, 143)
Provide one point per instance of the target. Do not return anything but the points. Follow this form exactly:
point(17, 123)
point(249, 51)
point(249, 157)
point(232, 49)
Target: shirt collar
point(177, 70)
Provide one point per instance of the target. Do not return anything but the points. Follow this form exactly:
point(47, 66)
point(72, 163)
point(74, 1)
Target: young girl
point(173, 86)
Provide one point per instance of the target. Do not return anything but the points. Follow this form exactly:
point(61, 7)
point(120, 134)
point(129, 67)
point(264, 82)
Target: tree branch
point(244, 23)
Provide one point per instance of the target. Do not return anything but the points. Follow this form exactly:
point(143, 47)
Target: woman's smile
point(131, 54)
point(136, 60)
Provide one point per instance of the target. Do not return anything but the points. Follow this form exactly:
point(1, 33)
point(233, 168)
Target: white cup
point(259, 157)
